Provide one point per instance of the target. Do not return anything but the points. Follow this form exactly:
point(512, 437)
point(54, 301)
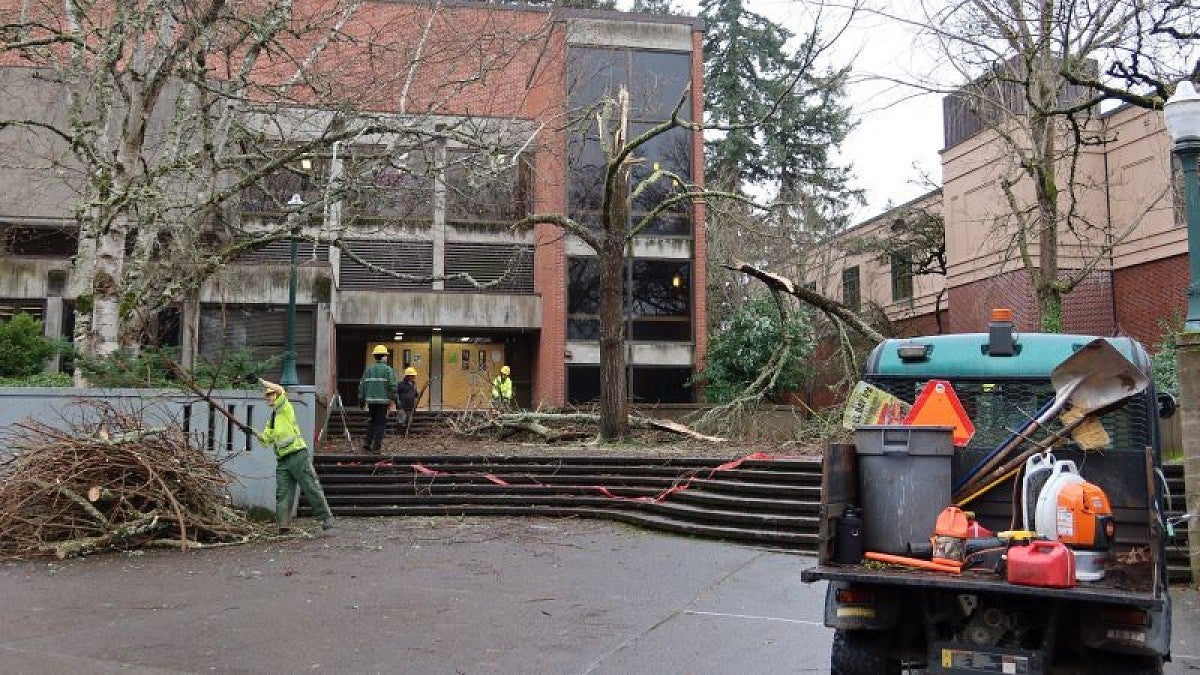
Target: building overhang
point(438, 309)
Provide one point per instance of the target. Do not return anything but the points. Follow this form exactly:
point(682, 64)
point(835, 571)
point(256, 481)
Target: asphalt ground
point(436, 595)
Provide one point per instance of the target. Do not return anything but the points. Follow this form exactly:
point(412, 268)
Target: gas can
point(1042, 563)
point(848, 537)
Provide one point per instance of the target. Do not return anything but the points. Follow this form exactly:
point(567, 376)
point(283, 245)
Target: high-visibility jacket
point(378, 384)
point(282, 433)
point(502, 388)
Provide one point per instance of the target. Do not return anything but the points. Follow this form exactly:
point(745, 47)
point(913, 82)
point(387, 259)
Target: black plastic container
point(848, 537)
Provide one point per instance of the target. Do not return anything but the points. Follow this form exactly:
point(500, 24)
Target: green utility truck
point(888, 618)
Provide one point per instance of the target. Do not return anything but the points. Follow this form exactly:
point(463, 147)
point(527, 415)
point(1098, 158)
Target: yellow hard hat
point(379, 350)
point(410, 371)
point(504, 370)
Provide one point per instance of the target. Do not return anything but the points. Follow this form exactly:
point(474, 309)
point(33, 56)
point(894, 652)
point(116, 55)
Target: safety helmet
point(380, 350)
point(410, 371)
point(504, 370)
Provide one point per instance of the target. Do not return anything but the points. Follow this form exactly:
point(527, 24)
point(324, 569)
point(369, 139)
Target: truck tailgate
point(1101, 592)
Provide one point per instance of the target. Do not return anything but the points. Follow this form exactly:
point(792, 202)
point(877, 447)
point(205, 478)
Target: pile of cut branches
point(111, 482)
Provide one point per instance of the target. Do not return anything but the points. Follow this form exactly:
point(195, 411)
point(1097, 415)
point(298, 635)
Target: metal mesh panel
point(488, 262)
point(403, 256)
point(279, 253)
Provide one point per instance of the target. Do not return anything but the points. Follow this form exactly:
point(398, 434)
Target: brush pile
point(111, 482)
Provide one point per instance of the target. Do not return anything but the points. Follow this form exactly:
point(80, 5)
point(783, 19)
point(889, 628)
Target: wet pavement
point(436, 595)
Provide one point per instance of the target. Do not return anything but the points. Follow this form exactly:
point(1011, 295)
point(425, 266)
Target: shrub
point(151, 367)
point(739, 353)
point(24, 348)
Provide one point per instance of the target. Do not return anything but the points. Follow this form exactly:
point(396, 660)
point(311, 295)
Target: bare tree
point(175, 112)
point(1034, 82)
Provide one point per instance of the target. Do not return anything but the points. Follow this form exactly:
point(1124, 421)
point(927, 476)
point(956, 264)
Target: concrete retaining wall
point(251, 465)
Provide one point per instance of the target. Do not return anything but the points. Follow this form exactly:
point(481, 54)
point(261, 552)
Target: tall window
point(656, 82)
point(902, 276)
point(851, 295)
point(658, 303)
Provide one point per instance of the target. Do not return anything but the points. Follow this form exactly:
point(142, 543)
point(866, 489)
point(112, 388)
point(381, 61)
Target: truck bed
point(1099, 591)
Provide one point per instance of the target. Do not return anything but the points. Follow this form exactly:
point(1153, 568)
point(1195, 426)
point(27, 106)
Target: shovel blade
point(1096, 377)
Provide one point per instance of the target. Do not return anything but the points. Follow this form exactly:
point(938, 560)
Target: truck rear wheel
point(861, 652)
point(1127, 664)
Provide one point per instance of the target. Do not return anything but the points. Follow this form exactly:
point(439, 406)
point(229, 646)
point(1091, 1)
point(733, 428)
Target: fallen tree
point(112, 482)
point(556, 427)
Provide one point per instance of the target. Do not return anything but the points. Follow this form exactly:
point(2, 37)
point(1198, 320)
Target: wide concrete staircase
point(765, 502)
point(770, 502)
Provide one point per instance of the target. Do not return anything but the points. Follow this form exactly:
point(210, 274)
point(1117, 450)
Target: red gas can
point(1042, 563)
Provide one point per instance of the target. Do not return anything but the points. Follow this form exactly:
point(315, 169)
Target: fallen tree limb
point(833, 309)
point(537, 423)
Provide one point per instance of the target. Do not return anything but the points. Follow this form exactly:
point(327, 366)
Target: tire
point(861, 652)
point(1127, 664)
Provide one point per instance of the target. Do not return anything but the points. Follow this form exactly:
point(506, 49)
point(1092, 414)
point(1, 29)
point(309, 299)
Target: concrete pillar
point(323, 351)
point(435, 372)
point(439, 215)
point(52, 324)
point(1188, 365)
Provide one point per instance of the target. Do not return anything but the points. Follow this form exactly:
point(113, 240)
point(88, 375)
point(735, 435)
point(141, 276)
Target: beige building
point(1126, 238)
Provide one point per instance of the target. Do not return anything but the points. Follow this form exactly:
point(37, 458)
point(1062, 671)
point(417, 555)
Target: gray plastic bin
point(903, 482)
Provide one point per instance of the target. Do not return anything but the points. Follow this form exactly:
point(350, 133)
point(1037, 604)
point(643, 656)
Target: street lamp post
point(289, 377)
point(1182, 112)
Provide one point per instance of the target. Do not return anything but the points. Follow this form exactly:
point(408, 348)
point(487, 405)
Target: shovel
point(1091, 379)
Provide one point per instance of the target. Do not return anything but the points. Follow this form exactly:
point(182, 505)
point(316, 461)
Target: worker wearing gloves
point(292, 466)
point(502, 389)
point(376, 391)
point(406, 392)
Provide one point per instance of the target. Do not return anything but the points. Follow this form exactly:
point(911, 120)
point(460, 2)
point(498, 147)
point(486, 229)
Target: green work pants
point(291, 470)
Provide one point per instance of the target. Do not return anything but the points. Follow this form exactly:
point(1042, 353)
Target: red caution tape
point(678, 487)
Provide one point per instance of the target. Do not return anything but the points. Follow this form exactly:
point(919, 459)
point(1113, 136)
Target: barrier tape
point(678, 487)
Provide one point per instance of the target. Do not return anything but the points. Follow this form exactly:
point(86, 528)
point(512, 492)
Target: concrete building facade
point(427, 217)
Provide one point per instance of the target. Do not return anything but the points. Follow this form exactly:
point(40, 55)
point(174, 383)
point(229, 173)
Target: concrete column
point(1188, 366)
point(439, 214)
point(52, 324)
point(322, 350)
point(435, 372)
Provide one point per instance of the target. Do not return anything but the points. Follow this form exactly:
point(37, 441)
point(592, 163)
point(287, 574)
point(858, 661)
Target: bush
point(737, 355)
point(151, 367)
point(38, 380)
point(1166, 377)
point(24, 348)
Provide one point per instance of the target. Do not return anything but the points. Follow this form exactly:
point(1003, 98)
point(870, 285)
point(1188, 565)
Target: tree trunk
point(614, 420)
point(106, 287)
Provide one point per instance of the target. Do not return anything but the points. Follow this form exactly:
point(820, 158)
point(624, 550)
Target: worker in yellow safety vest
point(502, 389)
point(292, 465)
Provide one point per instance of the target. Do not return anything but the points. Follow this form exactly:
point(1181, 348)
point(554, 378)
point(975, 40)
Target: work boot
point(327, 524)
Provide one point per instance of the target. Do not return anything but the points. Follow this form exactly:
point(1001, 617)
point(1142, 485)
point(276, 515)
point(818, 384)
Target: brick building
point(1136, 232)
point(432, 208)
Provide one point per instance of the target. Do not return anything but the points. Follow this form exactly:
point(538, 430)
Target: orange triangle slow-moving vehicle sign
point(938, 405)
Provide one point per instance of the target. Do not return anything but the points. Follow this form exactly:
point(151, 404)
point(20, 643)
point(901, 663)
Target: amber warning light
point(1002, 314)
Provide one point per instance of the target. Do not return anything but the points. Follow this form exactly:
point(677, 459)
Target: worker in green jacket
point(502, 389)
point(292, 465)
point(377, 392)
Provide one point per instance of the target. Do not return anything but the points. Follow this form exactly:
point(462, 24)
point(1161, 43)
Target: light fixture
point(398, 336)
point(436, 329)
point(465, 339)
point(676, 281)
point(1182, 112)
point(296, 200)
point(306, 163)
